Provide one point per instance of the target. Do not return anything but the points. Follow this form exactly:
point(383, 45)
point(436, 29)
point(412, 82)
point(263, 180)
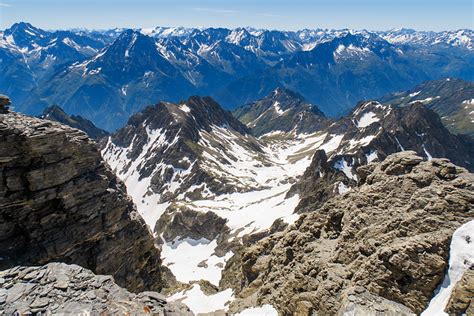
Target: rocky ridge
point(59, 288)
point(282, 111)
point(370, 133)
point(55, 113)
point(59, 201)
point(451, 98)
point(389, 236)
point(178, 137)
point(461, 301)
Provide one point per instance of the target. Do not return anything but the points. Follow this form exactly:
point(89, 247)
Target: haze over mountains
point(105, 76)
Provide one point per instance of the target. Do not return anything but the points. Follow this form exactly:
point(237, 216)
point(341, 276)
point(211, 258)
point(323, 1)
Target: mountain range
point(243, 171)
point(105, 76)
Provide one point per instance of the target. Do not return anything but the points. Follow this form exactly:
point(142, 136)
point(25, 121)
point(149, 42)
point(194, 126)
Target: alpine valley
point(177, 171)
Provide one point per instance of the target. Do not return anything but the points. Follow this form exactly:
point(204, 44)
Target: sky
point(433, 15)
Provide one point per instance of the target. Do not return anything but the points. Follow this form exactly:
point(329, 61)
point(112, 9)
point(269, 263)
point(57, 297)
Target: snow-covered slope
point(186, 160)
point(204, 184)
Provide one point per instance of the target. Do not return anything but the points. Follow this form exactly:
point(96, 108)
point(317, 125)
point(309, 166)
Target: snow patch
point(427, 153)
point(332, 144)
point(372, 156)
point(183, 256)
point(342, 188)
point(367, 119)
point(264, 310)
point(185, 108)
point(343, 166)
point(461, 258)
point(199, 302)
point(278, 109)
point(469, 101)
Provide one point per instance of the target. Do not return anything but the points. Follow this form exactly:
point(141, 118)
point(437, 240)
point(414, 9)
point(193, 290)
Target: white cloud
point(5, 5)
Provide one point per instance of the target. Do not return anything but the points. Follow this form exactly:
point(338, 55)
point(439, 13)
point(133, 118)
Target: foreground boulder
point(58, 288)
point(389, 237)
point(60, 202)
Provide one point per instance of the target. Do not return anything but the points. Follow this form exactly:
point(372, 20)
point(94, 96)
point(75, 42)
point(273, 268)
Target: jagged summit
point(171, 140)
point(24, 34)
point(281, 111)
point(451, 98)
point(56, 113)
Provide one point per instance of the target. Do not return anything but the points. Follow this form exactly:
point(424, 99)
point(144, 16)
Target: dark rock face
point(58, 288)
point(55, 113)
point(282, 110)
point(320, 182)
point(390, 236)
point(60, 202)
point(183, 223)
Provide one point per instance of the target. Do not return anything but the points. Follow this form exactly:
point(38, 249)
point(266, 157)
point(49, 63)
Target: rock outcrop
point(58, 288)
point(390, 236)
point(60, 202)
point(4, 103)
point(461, 301)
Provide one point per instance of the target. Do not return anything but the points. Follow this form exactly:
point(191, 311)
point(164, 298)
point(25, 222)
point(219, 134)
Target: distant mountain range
point(106, 76)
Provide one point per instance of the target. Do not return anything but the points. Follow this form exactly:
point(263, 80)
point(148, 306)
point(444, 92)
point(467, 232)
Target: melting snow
point(343, 166)
point(367, 119)
point(185, 108)
point(182, 257)
point(264, 310)
point(461, 257)
point(199, 302)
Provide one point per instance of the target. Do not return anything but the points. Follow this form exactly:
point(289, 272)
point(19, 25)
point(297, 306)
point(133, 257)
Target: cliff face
point(390, 237)
point(60, 202)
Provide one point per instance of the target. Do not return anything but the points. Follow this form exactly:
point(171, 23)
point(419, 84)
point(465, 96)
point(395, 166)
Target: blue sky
point(271, 14)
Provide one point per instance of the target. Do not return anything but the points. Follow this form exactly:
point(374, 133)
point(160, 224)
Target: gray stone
point(29, 297)
point(70, 207)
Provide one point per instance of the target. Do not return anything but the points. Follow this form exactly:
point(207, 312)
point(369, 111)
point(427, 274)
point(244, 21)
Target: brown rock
point(389, 236)
point(461, 301)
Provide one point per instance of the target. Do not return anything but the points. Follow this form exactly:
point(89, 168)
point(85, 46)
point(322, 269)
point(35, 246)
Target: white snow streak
point(461, 257)
point(264, 310)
